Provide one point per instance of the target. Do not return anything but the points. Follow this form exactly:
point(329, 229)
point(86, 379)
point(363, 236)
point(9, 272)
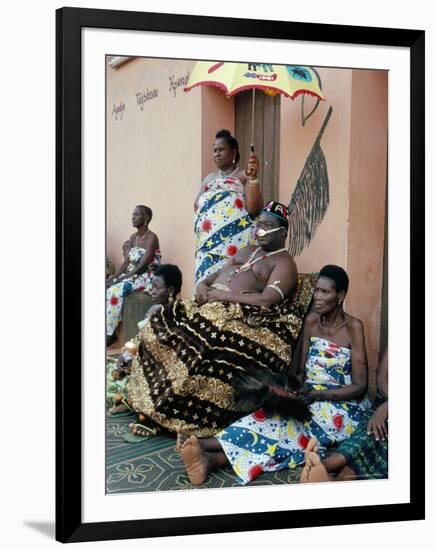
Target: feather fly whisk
point(310, 199)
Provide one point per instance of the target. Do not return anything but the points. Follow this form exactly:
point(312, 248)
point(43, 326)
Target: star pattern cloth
point(222, 224)
point(256, 444)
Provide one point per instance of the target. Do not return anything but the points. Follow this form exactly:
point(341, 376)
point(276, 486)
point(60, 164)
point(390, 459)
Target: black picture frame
point(69, 22)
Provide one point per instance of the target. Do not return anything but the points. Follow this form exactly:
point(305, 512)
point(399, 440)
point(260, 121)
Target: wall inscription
point(176, 83)
point(118, 110)
point(143, 97)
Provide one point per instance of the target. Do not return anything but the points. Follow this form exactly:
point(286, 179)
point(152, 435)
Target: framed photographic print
point(214, 380)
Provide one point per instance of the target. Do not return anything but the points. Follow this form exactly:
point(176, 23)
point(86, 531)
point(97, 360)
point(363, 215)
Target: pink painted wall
point(330, 242)
point(154, 157)
point(354, 144)
point(217, 112)
point(367, 196)
point(159, 155)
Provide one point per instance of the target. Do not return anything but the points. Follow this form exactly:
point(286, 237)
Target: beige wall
point(159, 155)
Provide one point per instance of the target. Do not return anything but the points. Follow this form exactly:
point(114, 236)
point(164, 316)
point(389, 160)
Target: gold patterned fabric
point(189, 354)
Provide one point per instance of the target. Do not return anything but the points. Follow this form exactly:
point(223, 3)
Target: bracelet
point(276, 287)
point(253, 182)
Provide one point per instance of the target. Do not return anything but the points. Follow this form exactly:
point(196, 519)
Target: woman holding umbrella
point(226, 205)
point(223, 220)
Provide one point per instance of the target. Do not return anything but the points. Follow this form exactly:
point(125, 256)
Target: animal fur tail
point(271, 393)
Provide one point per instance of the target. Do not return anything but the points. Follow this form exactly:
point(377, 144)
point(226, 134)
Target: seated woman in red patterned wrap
point(246, 316)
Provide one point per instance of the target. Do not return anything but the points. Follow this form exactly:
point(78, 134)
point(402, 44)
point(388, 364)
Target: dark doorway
point(266, 137)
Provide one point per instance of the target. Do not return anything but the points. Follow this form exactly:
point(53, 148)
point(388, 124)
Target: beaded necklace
point(250, 262)
point(141, 237)
point(321, 322)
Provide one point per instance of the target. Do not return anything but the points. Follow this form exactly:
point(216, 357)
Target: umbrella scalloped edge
point(209, 83)
point(251, 87)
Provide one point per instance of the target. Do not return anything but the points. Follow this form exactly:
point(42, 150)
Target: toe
point(314, 459)
point(312, 445)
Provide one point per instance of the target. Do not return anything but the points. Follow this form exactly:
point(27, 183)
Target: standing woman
point(225, 207)
point(136, 272)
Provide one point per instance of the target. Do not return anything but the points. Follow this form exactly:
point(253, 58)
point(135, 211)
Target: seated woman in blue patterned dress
point(136, 272)
point(334, 371)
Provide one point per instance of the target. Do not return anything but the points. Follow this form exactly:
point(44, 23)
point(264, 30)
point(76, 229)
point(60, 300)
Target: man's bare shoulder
point(286, 259)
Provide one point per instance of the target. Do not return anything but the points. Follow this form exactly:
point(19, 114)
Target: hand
point(124, 361)
point(252, 166)
point(119, 373)
point(304, 390)
point(201, 293)
point(215, 295)
point(313, 395)
point(377, 425)
point(293, 383)
point(310, 395)
point(114, 281)
point(289, 394)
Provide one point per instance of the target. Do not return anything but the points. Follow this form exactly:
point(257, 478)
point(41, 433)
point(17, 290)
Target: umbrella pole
point(252, 122)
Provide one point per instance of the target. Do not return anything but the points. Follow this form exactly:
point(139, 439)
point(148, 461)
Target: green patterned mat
point(154, 465)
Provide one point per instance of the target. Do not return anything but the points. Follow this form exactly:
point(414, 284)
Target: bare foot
point(314, 470)
point(182, 437)
point(195, 460)
point(312, 445)
point(120, 408)
point(139, 429)
point(304, 477)
point(346, 474)
point(318, 472)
